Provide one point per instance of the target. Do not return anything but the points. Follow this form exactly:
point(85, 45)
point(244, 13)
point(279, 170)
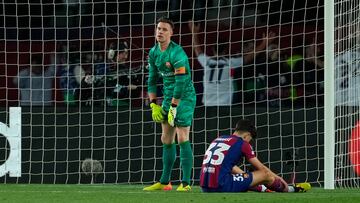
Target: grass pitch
point(134, 193)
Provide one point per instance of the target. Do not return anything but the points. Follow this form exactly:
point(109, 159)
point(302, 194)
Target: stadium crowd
point(267, 76)
point(247, 65)
point(260, 73)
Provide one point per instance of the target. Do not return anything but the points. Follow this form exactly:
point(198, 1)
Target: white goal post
point(329, 78)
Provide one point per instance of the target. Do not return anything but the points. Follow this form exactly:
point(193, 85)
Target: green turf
point(134, 193)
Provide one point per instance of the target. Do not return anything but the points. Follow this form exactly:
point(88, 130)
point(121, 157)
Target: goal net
point(347, 81)
point(85, 114)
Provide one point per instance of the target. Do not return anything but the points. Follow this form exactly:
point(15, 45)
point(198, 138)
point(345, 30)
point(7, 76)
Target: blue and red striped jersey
point(222, 155)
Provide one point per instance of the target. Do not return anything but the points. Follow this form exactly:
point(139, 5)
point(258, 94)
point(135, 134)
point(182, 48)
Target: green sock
point(186, 161)
point(168, 159)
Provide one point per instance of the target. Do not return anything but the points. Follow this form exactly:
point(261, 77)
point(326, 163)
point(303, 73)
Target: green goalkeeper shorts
point(184, 111)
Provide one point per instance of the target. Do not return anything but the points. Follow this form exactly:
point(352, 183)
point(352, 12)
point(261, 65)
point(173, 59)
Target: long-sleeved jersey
point(173, 66)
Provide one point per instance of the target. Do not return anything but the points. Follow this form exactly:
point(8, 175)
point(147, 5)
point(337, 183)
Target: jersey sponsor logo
point(168, 74)
point(180, 71)
point(209, 169)
point(168, 64)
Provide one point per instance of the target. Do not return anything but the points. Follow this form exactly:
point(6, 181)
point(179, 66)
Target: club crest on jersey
point(168, 64)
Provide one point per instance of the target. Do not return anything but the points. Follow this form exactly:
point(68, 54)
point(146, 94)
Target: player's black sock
point(164, 183)
point(185, 184)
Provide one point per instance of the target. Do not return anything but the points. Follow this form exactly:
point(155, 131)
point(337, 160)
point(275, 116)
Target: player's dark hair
point(245, 125)
point(166, 20)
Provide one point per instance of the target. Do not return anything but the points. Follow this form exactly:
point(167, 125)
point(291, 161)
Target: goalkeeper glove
point(157, 113)
point(172, 115)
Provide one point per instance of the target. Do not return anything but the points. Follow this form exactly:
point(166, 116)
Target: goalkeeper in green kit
point(169, 61)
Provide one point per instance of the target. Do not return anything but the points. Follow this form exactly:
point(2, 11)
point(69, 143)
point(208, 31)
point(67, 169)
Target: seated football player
point(220, 173)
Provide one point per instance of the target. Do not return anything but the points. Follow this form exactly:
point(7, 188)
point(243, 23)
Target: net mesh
point(347, 94)
point(264, 58)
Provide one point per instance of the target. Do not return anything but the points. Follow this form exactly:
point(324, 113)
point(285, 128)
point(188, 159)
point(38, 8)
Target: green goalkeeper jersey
point(173, 66)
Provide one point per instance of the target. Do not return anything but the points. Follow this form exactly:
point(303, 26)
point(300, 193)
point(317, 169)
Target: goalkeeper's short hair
point(166, 20)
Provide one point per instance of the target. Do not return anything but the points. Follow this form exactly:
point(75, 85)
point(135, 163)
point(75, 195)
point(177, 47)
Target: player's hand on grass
point(172, 116)
point(157, 113)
